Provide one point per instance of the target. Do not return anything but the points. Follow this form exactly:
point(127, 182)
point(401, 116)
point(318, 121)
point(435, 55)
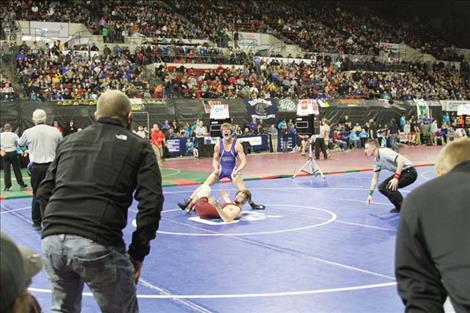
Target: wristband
point(397, 176)
point(371, 192)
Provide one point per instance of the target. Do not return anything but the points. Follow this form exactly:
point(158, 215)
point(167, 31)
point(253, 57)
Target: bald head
point(113, 104)
point(452, 154)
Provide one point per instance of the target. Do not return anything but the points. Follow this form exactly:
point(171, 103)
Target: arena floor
point(316, 248)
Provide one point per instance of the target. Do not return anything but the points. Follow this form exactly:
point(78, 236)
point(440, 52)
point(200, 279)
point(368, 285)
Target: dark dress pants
point(38, 173)
point(11, 159)
point(320, 146)
point(407, 177)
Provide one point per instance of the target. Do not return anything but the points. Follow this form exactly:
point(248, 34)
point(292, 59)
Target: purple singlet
point(228, 160)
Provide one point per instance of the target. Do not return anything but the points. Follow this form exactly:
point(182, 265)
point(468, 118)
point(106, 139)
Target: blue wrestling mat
point(316, 248)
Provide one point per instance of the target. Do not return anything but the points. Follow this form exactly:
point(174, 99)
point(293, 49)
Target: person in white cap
point(42, 141)
point(18, 265)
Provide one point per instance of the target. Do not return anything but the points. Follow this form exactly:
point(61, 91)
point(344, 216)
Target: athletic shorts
point(204, 209)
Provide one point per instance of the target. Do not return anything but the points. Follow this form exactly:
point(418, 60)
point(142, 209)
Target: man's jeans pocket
point(98, 266)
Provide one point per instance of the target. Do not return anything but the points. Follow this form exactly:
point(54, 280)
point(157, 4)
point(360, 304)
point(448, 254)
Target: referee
point(42, 141)
point(8, 143)
point(321, 139)
point(404, 173)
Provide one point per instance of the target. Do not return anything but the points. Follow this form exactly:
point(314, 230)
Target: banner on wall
point(49, 29)
point(307, 107)
point(463, 109)
point(390, 47)
point(261, 109)
point(422, 108)
point(452, 105)
point(287, 105)
point(219, 112)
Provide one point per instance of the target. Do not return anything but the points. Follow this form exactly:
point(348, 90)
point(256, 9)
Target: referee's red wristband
point(397, 176)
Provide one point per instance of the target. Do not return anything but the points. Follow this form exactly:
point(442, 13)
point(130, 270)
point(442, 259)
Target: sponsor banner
point(254, 141)
point(208, 105)
point(173, 145)
point(422, 108)
point(350, 102)
point(307, 107)
point(137, 103)
point(287, 60)
point(287, 105)
point(49, 29)
point(84, 54)
point(261, 109)
point(249, 39)
point(452, 105)
point(323, 103)
point(78, 41)
point(463, 109)
point(390, 47)
point(219, 112)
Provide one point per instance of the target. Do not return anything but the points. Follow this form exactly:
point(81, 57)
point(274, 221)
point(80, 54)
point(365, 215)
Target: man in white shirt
point(201, 130)
point(8, 143)
point(42, 141)
point(321, 140)
point(387, 159)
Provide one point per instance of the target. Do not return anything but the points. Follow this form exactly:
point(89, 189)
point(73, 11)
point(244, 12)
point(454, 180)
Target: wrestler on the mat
point(225, 165)
point(206, 206)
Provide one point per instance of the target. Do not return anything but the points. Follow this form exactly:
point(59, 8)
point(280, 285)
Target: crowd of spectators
point(345, 135)
point(118, 18)
point(6, 88)
point(362, 23)
point(48, 74)
point(318, 80)
point(8, 26)
point(321, 27)
point(169, 52)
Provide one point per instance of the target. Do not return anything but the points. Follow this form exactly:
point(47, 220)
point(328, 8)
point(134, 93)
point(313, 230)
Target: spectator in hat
point(18, 265)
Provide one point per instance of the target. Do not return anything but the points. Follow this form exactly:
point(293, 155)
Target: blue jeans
point(393, 142)
point(70, 261)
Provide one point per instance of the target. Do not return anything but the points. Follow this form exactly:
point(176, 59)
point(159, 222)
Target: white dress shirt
point(42, 141)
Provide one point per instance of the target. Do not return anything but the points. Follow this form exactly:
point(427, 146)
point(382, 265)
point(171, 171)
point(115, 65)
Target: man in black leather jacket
point(85, 199)
point(433, 241)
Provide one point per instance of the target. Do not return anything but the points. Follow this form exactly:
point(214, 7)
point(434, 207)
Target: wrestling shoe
point(255, 206)
point(184, 205)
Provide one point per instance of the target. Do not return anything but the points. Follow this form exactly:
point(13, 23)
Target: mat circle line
point(331, 220)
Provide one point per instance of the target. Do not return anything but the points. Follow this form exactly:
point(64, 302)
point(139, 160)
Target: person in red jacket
point(158, 141)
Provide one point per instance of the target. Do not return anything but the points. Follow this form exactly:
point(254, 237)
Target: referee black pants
point(407, 177)
point(38, 173)
point(11, 160)
point(320, 145)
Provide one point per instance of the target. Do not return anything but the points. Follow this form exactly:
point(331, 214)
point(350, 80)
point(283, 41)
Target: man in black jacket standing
point(433, 241)
point(85, 199)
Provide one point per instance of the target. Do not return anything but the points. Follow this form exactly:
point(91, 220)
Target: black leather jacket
point(89, 187)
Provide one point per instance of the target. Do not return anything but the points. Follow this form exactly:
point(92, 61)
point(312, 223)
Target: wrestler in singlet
point(204, 209)
point(228, 160)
